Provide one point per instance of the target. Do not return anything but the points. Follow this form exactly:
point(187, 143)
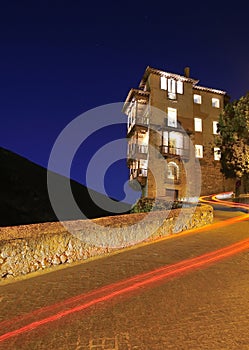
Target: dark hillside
point(24, 197)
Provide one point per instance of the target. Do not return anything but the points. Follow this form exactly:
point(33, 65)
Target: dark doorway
point(172, 194)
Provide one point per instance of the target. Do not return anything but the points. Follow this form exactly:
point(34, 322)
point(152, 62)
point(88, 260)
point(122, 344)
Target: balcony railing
point(137, 151)
point(138, 172)
point(142, 172)
point(171, 151)
point(139, 120)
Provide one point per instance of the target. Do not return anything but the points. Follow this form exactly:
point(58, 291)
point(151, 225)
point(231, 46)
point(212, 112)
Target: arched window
point(173, 171)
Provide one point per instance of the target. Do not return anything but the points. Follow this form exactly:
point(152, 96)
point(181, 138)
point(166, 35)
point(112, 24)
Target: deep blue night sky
point(61, 58)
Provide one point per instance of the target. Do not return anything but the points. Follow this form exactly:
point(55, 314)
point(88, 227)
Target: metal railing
point(174, 151)
point(138, 172)
point(138, 120)
point(137, 151)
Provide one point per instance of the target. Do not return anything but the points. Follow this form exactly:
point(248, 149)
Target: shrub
point(146, 204)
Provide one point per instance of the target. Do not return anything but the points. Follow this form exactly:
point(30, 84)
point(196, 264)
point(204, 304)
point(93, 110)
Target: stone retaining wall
point(28, 248)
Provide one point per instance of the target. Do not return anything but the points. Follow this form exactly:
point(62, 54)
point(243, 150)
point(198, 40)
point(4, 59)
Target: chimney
point(187, 72)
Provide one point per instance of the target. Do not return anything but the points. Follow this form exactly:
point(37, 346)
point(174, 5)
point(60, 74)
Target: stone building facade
point(172, 124)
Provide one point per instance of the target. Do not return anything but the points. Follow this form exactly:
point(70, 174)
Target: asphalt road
point(186, 303)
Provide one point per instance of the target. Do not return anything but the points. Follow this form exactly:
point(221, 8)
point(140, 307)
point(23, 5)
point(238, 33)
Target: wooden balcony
point(174, 152)
point(138, 123)
point(137, 151)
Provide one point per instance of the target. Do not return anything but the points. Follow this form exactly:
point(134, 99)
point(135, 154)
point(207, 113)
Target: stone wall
point(213, 181)
point(28, 248)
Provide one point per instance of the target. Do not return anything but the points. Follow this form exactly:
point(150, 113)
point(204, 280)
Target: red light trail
point(121, 288)
point(82, 302)
point(214, 198)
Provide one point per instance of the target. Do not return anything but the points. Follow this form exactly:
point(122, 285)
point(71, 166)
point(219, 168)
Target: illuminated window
point(215, 102)
point(197, 99)
point(172, 117)
point(176, 143)
point(217, 154)
point(165, 138)
point(215, 128)
point(143, 163)
point(173, 171)
point(163, 83)
point(171, 85)
point(179, 87)
point(171, 89)
point(199, 151)
point(198, 124)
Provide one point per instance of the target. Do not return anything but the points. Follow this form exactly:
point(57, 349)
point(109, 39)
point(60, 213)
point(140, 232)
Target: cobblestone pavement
point(206, 308)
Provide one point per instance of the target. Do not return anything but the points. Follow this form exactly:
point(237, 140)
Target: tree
point(233, 141)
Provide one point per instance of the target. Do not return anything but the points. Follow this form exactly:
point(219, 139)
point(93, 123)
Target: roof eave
point(215, 91)
point(130, 95)
point(150, 70)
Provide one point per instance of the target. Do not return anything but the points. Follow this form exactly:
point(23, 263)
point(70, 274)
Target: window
point(197, 99)
point(143, 163)
point(179, 87)
point(171, 89)
point(172, 86)
point(163, 83)
point(215, 128)
point(173, 171)
point(165, 138)
point(175, 143)
point(217, 154)
point(199, 151)
point(215, 102)
point(172, 117)
point(198, 124)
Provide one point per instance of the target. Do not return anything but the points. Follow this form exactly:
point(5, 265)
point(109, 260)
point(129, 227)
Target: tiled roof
point(150, 70)
point(215, 91)
point(133, 92)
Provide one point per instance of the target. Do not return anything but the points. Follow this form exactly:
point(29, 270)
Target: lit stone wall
point(28, 248)
point(213, 180)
